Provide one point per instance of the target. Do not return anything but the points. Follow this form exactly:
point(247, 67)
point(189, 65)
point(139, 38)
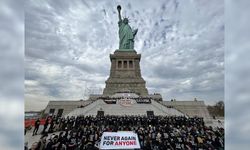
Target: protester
point(37, 124)
point(45, 125)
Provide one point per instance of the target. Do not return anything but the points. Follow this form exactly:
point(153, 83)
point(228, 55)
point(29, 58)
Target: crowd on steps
point(154, 132)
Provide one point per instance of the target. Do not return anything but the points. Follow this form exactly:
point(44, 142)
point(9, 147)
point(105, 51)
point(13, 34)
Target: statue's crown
point(126, 19)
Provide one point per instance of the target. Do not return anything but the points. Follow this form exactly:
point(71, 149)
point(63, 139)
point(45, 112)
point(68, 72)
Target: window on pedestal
point(119, 64)
point(130, 64)
point(51, 111)
point(125, 65)
point(60, 112)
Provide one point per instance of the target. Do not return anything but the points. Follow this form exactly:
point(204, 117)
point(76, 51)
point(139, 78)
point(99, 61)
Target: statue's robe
point(126, 36)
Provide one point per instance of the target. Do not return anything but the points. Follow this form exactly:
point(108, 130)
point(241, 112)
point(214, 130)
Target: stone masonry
point(125, 74)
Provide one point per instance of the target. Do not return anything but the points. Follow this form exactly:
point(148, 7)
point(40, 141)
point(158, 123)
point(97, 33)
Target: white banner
point(119, 140)
point(126, 102)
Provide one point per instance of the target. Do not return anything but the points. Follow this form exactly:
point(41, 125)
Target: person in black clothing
point(45, 125)
point(72, 142)
point(51, 127)
point(37, 124)
point(53, 143)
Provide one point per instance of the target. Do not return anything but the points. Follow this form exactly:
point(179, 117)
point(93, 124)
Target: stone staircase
point(117, 109)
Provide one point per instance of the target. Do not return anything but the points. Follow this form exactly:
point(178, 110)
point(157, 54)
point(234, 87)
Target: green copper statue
point(126, 34)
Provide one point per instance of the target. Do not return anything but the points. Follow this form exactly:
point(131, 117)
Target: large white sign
point(119, 140)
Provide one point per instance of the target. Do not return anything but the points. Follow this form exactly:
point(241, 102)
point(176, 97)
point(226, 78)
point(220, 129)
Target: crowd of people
point(154, 132)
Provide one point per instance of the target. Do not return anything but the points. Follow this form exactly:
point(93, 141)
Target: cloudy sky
point(237, 72)
point(67, 47)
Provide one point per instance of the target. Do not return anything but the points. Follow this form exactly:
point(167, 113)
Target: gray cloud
point(68, 45)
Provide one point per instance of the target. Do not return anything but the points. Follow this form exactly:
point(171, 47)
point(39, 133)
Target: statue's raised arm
point(119, 12)
point(126, 34)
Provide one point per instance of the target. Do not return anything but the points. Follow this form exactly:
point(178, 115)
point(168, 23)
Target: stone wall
point(191, 108)
point(125, 74)
point(67, 106)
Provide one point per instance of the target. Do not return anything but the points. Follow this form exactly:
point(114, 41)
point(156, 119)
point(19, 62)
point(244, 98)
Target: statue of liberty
point(126, 34)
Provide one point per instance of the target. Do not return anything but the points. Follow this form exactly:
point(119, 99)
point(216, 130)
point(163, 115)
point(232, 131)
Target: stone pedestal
point(125, 74)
